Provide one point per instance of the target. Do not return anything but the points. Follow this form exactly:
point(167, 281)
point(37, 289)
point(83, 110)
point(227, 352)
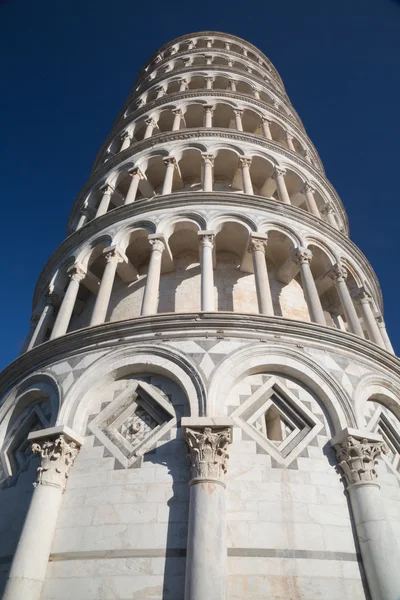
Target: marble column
point(232, 85)
point(328, 212)
point(245, 163)
point(289, 142)
point(160, 92)
point(75, 274)
point(279, 176)
point(57, 449)
point(105, 200)
point(43, 323)
point(33, 322)
point(206, 559)
point(83, 217)
point(137, 175)
point(339, 275)
point(256, 93)
point(170, 163)
point(363, 299)
point(183, 85)
point(238, 119)
point(151, 290)
point(266, 127)
point(177, 119)
point(208, 160)
point(308, 192)
point(100, 308)
point(358, 453)
point(257, 247)
point(151, 124)
point(126, 138)
point(207, 239)
point(208, 115)
point(209, 83)
point(384, 334)
point(303, 258)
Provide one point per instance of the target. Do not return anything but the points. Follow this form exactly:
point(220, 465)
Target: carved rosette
point(358, 459)
point(208, 453)
point(57, 455)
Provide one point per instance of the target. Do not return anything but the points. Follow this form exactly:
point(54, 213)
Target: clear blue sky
point(67, 67)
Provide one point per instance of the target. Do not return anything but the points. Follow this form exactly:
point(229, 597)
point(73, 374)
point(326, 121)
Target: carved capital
point(327, 209)
point(278, 172)
point(238, 112)
point(107, 189)
point(258, 245)
point(209, 79)
point(151, 121)
point(75, 273)
point(227, 46)
point(207, 239)
point(57, 455)
point(245, 161)
point(157, 245)
point(169, 160)
point(112, 256)
point(307, 189)
point(160, 88)
point(208, 159)
point(338, 273)
point(126, 135)
point(208, 455)
point(178, 111)
point(362, 296)
point(302, 256)
point(266, 120)
point(208, 108)
point(358, 459)
point(136, 172)
point(187, 61)
point(209, 59)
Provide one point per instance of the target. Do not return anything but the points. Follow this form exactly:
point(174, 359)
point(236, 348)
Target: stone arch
point(380, 387)
point(255, 359)
point(147, 358)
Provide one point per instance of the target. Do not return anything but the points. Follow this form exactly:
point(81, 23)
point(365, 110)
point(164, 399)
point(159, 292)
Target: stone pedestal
point(57, 448)
point(206, 559)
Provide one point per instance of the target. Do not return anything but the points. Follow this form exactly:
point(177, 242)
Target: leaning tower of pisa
point(207, 304)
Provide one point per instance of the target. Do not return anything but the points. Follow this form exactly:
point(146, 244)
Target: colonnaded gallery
point(207, 304)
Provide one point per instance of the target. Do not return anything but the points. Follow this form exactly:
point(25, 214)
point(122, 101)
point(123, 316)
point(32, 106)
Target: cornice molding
point(218, 34)
point(185, 200)
point(161, 328)
point(204, 132)
point(171, 98)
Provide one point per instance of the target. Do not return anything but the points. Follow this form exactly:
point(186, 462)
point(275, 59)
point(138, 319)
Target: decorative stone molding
point(302, 255)
point(245, 161)
point(277, 172)
point(57, 448)
point(157, 245)
point(208, 158)
point(307, 189)
point(208, 455)
point(258, 244)
point(112, 255)
point(76, 273)
point(358, 456)
point(206, 239)
point(338, 273)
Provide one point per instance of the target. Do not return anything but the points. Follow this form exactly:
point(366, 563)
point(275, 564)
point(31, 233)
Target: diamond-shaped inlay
point(386, 424)
point(133, 422)
point(278, 421)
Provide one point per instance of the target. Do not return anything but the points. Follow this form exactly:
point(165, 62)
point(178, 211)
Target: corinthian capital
point(302, 255)
point(57, 451)
point(258, 244)
point(208, 455)
point(358, 458)
point(338, 273)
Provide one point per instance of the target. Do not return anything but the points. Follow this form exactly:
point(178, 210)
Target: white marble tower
point(207, 304)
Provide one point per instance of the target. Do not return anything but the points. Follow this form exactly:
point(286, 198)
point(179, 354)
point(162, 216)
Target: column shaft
point(105, 290)
point(207, 273)
point(126, 141)
point(169, 175)
point(133, 186)
point(266, 127)
point(177, 120)
point(208, 172)
point(206, 561)
point(105, 201)
point(238, 119)
point(246, 178)
point(384, 333)
point(311, 295)
point(28, 569)
point(281, 186)
point(264, 298)
point(370, 322)
point(42, 325)
point(208, 115)
point(82, 219)
point(339, 275)
point(308, 193)
point(68, 303)
point(150, 296)
point(149, 129)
